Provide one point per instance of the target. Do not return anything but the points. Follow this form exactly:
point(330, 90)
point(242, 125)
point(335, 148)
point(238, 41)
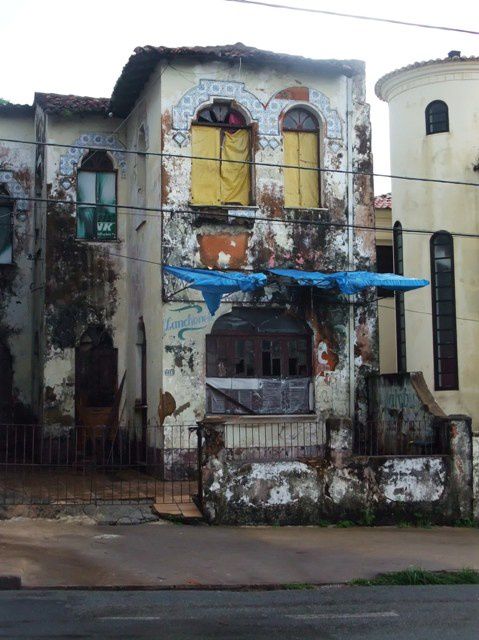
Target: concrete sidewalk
point(62, 553)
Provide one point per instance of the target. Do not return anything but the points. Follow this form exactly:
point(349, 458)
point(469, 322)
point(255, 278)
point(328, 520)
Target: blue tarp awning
point(350, 282)
point(214, 284)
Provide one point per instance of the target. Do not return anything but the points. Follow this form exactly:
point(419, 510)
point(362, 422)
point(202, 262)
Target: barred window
point(444, 312)
point(437, 117)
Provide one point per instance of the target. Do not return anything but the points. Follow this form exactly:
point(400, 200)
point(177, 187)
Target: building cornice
point(424, 73)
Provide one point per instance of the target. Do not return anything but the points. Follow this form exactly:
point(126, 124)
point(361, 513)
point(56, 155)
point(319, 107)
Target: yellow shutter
point(205, 174)
point(308, 180)
point(291, 176)
point(235, 177)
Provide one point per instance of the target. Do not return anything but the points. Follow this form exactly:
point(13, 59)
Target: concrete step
point(177, 510)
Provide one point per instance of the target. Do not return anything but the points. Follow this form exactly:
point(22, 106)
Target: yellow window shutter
point(308, 180)
point(205, 174)
point(235, 177)
point(291, 176)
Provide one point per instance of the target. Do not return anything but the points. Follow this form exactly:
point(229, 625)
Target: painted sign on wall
point(185, 319)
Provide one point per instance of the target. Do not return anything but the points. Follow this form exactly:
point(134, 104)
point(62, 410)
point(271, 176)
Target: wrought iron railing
point(402, 437)
point(76, 464)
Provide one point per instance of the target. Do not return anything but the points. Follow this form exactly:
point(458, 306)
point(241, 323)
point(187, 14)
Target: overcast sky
point(81, 47)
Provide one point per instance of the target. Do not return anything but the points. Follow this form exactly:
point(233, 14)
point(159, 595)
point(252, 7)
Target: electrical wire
point(251, 163)
point(405, 23)
point(300, 221)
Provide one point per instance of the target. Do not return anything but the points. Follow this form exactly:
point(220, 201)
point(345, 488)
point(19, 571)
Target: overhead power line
point(338, 14)
point(252, 163)
point(301, 221)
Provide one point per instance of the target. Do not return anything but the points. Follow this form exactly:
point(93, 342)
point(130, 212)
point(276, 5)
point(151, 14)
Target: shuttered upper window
point(301, 149)
point(221, 134)
point(96, 198)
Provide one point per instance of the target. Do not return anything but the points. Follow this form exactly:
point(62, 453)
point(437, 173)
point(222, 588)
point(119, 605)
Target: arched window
point(399, 299)
point(259, 361)
point(6, 227)
point(437, 117)
point(444, 312)
point(220, 132)
point(96, 198)
point(301, 149)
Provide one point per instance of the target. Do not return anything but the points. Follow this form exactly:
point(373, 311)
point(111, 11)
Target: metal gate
point(46, 464)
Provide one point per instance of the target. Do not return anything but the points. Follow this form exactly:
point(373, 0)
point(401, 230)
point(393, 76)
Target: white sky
point(81, 47)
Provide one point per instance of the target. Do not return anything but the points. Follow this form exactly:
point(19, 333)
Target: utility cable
point(338, 14)
point(251, 163)
point(300, 221)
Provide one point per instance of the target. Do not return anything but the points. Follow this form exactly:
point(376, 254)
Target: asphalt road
point(327, 613)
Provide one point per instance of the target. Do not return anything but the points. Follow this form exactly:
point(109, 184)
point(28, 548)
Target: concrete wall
point(78, 283)
point(340, 486)
point(259, 92)
point(449, 156)
point(17, 168)
point(84, 281)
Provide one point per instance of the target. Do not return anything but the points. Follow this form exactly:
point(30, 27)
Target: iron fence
point(269, 441)
point(402, 438)
point(46, 464)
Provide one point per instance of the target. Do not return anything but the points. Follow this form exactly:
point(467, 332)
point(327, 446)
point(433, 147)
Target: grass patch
point(345, 524)
point(299, 586)
point(418, 576)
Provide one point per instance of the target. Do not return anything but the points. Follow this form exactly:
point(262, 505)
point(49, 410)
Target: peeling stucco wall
point(337, 486)
point(190, 240)
point(17, 177)
point(83, 281)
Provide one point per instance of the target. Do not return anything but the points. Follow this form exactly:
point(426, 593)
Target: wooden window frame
point(438, 384)
point(230, 339)
point(230, 127)
point(95, 171)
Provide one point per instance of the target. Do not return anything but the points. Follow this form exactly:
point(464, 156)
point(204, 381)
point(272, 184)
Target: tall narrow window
point(399, 299)
point(96, 198)
point(221, 134)
point(444, 312)
point(6, 228)
point(437, 117)
point(301, 149)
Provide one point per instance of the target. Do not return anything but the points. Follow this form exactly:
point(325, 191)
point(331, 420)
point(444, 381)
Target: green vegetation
point(299, 586)
point(368, 518)
point(418, 576)
point(3, 101)
point(345, 524)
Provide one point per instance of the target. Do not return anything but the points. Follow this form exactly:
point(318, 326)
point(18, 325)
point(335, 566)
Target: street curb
point(10, 582)
point(310, 586)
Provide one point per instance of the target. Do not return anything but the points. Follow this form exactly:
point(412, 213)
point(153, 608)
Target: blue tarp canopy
point(350, 281)
point(214, 284)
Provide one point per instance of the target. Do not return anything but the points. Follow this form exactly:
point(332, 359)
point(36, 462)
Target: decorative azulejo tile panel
point(70, 159)
point(266, 116)
point(15, 189)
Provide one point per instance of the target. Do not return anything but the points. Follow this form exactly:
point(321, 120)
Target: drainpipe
point(350, 196)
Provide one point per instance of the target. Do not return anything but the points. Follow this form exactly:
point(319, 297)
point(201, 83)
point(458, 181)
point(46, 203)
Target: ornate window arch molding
point(206, 91)
point(16, 191)
point(321, 108)
point(268, 117)
point(70, 159)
